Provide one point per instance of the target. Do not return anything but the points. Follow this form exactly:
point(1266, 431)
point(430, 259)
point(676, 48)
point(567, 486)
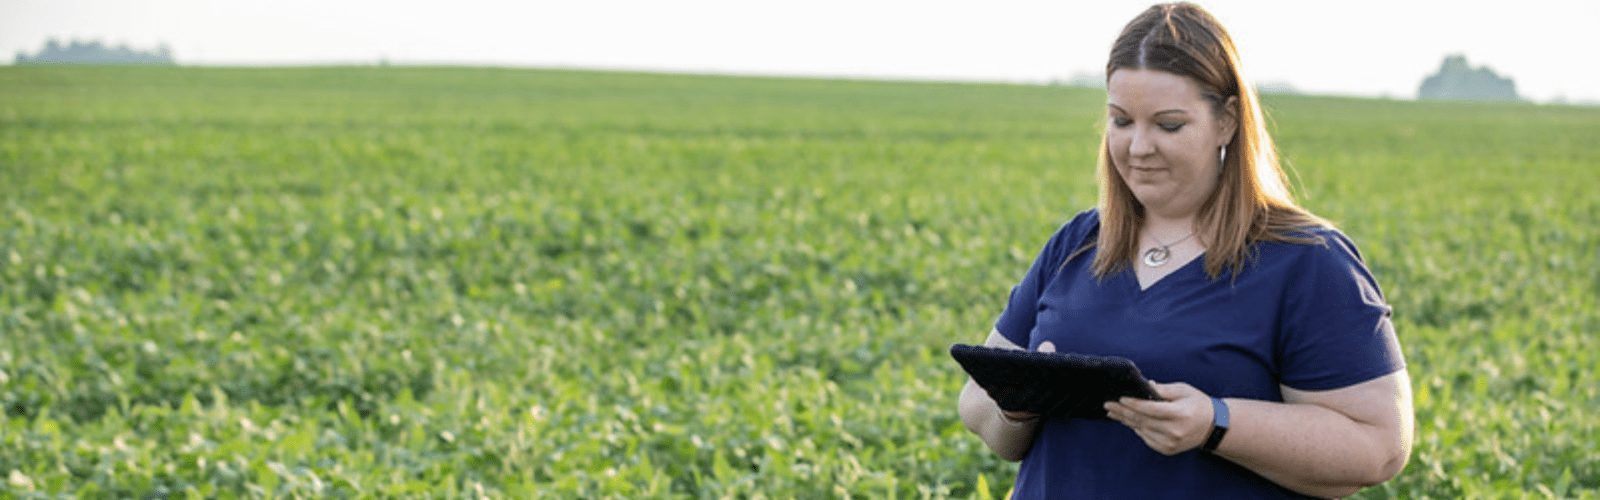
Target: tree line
point(1456, 79)
point(95, 52)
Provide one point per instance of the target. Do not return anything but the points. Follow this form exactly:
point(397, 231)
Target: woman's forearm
point(1325, 443)
point(1010, 440)
point(1309, 448)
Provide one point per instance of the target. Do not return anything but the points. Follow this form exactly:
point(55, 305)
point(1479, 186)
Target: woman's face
point(1164, 138)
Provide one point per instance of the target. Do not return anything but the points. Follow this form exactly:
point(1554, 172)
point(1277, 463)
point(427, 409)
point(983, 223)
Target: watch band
point(1219, 424)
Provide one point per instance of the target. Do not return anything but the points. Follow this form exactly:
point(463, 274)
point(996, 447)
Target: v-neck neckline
point(1133, 275)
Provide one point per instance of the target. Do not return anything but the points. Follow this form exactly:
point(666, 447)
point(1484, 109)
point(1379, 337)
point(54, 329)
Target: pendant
point(1156, 257)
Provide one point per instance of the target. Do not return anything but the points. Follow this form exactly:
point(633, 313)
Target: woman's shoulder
point(1316, 239)
point(1317, 248)
point(1077, 230)
point(1087, 220)
point(1073, 234)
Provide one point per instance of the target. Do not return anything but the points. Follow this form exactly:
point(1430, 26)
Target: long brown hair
point(1252, 201)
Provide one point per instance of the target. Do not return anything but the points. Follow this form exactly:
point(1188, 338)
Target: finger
point(1143, 437)
point(1118, 412)
point(1152, 409)
point(1171, 395)
point(1119, 418)
point(1159, 442)
point(1047, 346)
point(1173, 391)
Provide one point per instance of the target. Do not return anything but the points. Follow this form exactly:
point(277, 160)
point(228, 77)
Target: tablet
point(1054, 385)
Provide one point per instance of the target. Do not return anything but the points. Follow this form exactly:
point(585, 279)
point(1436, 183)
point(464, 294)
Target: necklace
point(1158, 256)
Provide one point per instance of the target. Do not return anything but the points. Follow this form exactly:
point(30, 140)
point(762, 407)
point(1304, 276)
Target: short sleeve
point(1017, 321)
point(1337, 329)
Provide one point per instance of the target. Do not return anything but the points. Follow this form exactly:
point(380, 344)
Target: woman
point(1268, 339)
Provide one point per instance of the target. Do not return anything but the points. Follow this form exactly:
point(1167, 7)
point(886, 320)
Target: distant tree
point(94, 52)
point(1088, 79)
point(1456, 79)
point(1276, 87)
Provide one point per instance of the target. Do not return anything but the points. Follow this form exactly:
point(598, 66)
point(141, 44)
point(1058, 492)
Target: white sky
point(1358, 47)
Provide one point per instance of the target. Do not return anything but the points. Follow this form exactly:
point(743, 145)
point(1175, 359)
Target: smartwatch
point(1219, 424)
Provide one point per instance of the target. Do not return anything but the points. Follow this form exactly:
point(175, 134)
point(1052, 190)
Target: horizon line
point(1262, 87)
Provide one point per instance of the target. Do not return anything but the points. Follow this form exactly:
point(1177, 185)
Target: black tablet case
point(1054, 385)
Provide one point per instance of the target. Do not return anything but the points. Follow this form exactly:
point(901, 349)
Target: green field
point(357, 282)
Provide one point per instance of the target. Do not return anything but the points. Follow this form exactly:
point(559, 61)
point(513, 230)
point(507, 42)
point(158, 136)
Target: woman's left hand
point(1179, 423)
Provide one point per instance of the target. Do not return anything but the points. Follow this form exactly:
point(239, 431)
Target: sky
point(1353, 47)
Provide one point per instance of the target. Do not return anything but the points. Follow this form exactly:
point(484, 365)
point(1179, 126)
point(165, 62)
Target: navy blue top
point(1306, 316)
